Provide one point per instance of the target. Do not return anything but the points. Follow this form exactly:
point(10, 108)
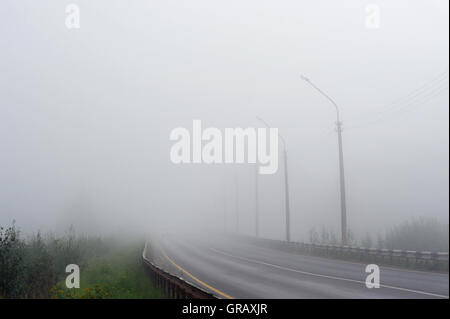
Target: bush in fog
point(329, 237)
point(314, 236)
point(39, 269)
point(366, 242)
point(72, 249)
point(29, 268)
point(423, 234)
point(12, 252)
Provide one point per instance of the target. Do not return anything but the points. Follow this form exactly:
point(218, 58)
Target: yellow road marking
point(195, 278)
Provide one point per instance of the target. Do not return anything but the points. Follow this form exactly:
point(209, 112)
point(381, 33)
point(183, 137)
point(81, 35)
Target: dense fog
point(86, 114)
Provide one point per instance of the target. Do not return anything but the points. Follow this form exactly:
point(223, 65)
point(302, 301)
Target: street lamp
point(341, 163)
point(286, 185)
point(236, 198)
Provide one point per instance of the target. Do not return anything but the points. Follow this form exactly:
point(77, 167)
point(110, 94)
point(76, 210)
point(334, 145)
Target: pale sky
point(85, 114)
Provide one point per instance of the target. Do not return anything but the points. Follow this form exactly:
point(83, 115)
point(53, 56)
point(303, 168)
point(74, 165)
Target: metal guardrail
point(173, 286)
point(434, 259)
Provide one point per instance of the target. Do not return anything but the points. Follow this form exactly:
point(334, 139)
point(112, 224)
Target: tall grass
point(35, 267)
point(30, 267)
point(12, 262)
point(116, 275)
point(420, 234)
point(328, 237)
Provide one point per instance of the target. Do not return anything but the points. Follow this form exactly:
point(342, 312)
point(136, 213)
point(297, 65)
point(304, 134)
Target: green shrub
point(12, 268)
point(116, 275)
point(29, 268)
point(40, 270)
point(422, 234)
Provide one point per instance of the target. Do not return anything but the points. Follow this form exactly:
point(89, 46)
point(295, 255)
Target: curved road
point(231, 269)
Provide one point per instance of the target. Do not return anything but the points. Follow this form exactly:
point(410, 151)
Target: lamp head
point(304, 78)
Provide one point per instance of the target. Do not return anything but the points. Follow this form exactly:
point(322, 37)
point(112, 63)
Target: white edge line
point(326, 276)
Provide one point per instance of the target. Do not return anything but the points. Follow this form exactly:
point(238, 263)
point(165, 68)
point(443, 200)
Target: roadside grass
point(116, 275)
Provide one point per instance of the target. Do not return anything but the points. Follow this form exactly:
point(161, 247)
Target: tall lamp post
point(236, 198)
point(256, 202)
point(286, 184)
point(341, 162)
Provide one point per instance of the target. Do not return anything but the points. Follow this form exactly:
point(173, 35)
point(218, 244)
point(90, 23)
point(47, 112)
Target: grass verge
point(116, 275)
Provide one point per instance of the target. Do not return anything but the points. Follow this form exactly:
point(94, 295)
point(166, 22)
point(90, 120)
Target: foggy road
point(231, 269)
